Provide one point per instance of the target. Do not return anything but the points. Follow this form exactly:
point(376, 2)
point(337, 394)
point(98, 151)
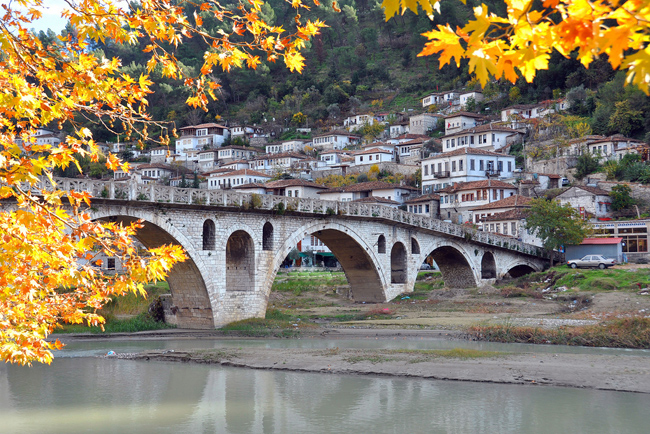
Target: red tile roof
point(425, 198)
point(513, 214)
point(515, 201)
point(377, 199)
point(591, 241)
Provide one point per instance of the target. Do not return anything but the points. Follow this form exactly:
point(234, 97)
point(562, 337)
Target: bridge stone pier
point(236, 243)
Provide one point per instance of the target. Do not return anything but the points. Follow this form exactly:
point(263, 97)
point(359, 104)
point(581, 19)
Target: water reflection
point(106, 395)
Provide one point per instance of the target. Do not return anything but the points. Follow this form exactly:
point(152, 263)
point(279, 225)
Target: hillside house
point(224, 179)
point(423, 123)
point(591, 202)
point(335, 140)
point(428, 204)
point(398, 193)
point(488, 137)
point(464, 165)
point(202, 136)
point(467, 96)
point(461, 121)
point(372, 156)
point(457, 201)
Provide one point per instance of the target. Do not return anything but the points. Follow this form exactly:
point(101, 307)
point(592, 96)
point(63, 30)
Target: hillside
point(362, 63)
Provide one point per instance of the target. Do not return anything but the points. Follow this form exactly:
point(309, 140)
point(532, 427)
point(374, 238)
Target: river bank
point(613, 372)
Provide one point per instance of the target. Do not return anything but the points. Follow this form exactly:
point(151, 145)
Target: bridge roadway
point(237, 242)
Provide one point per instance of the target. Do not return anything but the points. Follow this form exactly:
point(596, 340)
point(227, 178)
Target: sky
point(51, 17)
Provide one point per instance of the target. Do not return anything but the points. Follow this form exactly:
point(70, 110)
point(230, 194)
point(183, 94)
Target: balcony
point(442, 174)
point(492, 173)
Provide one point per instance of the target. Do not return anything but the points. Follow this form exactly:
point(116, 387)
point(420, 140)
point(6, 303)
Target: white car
point(599, 261)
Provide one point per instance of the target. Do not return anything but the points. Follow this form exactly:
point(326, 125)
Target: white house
point(433, 98)
point(294, 188)
point(158, 155)
point(276, 162)
point(464, 165)
point(231, 153)
point(236, 165)
point(353, 123)
point(489, 137)
point(335, 140)
point(372, 156)
point(203, 136)
point(423, 123)
point(461, 121)
point(428, 204)
point(207, 160)
point(241, 131)
point(591, 202)
point(410, 152)
point(331, 158)
point(296, 146)
point(458, 200)
point(519, 114)
point(233, 178)
point(157, 171)
point(399, 129)
point(466, 96)
point(614, 148)
point(273, 148)
point(398, 193)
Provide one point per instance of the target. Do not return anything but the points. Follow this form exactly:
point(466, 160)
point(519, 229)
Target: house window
point(110, 263)
point(500, 166)
point(513, 228)
point(480, 165)
point(426, 170)
point(426, 207)
point(471, 164)
point(460, 165)
point(509, 166)
point(453, 166)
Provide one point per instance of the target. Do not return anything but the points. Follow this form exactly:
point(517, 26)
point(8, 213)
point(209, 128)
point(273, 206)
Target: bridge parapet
point(133, 191)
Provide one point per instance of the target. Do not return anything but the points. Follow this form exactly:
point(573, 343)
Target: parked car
point(425, 266)
point(599, 261)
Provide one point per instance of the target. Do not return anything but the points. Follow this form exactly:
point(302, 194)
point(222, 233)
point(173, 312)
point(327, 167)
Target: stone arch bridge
point(237, 242)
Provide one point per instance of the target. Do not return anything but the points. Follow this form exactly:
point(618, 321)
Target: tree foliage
point(587, 164)
point(48, 249)
point(555, 224)
point(522, 39)
point(621, 197)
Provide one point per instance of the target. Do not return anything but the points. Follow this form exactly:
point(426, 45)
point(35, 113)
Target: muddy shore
point(629, 373)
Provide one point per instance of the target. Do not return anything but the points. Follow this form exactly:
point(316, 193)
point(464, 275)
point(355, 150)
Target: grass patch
point(585, 279)
point(138, 323)
point(133, 305)
point(619, 333)
point(299, 282)
point(275, 324)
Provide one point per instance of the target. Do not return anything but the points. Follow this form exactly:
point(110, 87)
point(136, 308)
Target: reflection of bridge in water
point(236, 243)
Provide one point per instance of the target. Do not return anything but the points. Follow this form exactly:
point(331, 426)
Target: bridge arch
point(398, 263)
point(381, 244)
point(356, 256)
point(191, 301)
point(240, 262)
point(488, 266)
point(415, 246)
point(267, 236)
point(454, 264)
point(209, 234)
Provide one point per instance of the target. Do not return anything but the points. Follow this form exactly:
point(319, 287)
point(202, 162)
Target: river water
point(79, 393)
